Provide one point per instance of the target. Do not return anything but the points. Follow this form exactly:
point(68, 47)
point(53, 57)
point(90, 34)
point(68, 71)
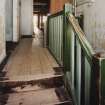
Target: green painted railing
point(84, 69)
point(55, 24)
point(78, 67)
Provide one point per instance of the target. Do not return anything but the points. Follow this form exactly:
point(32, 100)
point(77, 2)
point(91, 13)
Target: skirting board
point(2, 56)
point(27, 36)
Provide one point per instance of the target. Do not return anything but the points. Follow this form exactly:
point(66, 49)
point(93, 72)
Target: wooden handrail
point(81, 36)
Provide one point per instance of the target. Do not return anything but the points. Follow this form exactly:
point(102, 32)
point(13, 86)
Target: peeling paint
point(94, 23)
point(9, 20)
point(16, 20)
point(2, 30)
point(26, 25)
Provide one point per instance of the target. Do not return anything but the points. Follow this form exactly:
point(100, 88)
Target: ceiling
point(41, 6)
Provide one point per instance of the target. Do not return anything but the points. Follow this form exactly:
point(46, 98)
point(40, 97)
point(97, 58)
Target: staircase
point(45, 90)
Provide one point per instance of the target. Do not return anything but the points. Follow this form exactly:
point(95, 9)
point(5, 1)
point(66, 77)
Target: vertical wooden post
point(67, 8)
point(38, 20)
point(102, 82)
point(82, 78)
point(68, 49)
point(41, 21)
point(68, 45)
point(95, 81)
point(78, 72)
point(47, 38)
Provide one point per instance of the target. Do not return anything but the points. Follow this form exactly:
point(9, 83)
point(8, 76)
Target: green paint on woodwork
point(103, 81)
point(68, 43)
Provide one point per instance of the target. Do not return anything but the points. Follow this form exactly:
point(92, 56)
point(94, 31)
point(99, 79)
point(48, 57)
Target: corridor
point(52, 52)
point(29, 60)
point(30, 74)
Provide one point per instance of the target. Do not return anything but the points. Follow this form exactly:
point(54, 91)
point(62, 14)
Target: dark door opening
point(81, 21)
point(40, 12)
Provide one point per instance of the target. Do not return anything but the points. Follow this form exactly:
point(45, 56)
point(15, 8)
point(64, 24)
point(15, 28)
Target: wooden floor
point(52, 96)
point(30, 60)
point(31, 78)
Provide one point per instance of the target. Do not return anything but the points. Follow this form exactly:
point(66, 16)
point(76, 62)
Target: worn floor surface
point(30, 77)
point(29, 60)
point(52, 96)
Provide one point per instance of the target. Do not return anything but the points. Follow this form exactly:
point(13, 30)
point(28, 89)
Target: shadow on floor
point(10, 46)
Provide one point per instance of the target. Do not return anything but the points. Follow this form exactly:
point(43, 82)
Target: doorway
point(40, 13)
point(9, 26)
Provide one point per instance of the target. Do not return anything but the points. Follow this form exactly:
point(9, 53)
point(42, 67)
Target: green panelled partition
point(102, 81)
point(55, 37)
point(84, 69)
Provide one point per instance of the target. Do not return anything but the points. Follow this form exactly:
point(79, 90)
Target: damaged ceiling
point(41, 6)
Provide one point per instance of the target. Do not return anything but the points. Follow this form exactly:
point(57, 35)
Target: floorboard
point(41, 97)
point(32, 77)
point(29, 59)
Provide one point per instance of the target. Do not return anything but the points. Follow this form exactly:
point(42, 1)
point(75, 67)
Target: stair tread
point(31, 77)
point(41, 97)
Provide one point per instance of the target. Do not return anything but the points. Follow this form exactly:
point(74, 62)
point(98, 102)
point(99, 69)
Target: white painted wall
point(94, 22)
point(12, 20)
point(16, 20)
point(26, 17)
point(2, 30)
point(9, 20)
